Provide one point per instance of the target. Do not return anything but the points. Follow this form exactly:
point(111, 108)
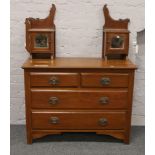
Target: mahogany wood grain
point(78, 119)
point(78, 108)
point(79, 98)
point(129, 112)
point(44, 23)
point(49, 49)
point(114, 29)
point(64, 79)
point(28, 106)
point(81, 63)
point(110, 35)
point(94, 79)
point(112, 23)
point(119, 134)
point(46, 26)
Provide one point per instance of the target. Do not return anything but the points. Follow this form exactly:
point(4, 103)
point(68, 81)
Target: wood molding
point(113, 133)
point(120, 134)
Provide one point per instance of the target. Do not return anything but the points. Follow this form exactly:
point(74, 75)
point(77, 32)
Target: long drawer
point(79, 98)
point(78, 120)
point(47, 79)
point(104, 79)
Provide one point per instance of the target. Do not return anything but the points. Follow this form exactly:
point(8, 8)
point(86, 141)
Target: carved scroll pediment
point(48, 22)
point(111, 23)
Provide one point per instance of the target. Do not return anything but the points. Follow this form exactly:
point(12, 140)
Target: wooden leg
point(29, 140)
point(127, 139)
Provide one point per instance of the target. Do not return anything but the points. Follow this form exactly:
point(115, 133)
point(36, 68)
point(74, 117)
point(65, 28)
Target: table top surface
point(78, 63)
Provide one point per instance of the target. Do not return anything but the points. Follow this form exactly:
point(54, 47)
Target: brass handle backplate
point(103, 121)
point(53, 100)
point(54, 120)
point(105, 81)
point(104, 100)
point(53, 81)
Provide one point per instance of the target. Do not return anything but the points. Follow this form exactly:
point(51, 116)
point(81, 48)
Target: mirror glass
point(117, 42)
point(41, 41)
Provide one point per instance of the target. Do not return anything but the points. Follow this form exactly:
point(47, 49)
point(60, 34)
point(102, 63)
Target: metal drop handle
point(53, 100)
point(54, 120)
point(104, 100)
point(105, 81)
point(103, 121)
point(53, 80)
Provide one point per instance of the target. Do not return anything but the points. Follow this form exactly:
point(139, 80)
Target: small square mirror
point(41, 41)
point(117, 42)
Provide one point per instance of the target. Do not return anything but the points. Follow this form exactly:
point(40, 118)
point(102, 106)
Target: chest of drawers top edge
point(78, 63)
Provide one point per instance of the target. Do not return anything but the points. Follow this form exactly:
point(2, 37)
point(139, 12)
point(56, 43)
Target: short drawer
point(78, 120)
point(104, 80)
point(55, 79)
point(76, 98)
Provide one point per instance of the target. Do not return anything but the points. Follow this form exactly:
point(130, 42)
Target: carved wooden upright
point(115, 37)
point(40, 36)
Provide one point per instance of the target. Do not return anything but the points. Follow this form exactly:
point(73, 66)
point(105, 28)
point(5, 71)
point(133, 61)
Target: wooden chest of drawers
point(78, 95)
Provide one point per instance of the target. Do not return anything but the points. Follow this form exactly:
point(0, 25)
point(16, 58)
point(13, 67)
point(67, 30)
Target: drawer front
point(78, 120)
point(55, 79)
point(104, 80)
point(82, 99)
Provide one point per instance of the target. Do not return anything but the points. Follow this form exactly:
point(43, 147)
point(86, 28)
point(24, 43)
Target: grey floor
point(76, 144)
